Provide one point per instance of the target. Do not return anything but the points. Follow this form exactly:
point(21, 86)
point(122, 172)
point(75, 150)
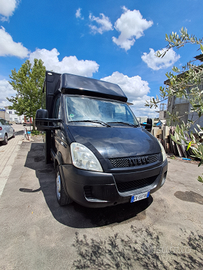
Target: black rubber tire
point(61, 196)
point(5, 141)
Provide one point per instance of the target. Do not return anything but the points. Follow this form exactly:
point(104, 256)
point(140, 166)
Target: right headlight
point(83, 158)
point(163, 152)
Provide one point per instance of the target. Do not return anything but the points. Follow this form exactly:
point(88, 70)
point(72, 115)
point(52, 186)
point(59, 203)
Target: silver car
point(6, 131)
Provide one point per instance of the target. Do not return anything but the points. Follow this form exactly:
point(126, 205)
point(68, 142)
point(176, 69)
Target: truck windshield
point(98, 110)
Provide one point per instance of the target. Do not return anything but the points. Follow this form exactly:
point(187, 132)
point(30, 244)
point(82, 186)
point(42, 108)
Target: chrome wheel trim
point(58, 186)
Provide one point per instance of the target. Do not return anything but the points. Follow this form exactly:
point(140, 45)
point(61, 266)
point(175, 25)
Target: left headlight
point(162, 151)
point(83, 158)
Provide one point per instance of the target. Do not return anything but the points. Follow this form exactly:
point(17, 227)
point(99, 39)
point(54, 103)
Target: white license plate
point(139, 197)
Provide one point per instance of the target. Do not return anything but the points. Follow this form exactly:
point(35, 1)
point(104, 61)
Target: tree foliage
point(185, 83)
point(28, 83)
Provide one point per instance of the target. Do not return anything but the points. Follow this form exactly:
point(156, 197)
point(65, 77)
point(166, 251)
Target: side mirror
point(43, 123)
point(148, 125)
point(41, 113)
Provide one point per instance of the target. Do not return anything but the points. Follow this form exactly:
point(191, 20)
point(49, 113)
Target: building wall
point(193, 116)
point(13, 117)
point(4, 114)
point(182, 105)
point(183, 108)
point(162, 115)
point(179, 107)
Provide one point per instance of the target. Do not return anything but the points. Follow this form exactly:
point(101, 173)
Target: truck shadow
point(75, 215)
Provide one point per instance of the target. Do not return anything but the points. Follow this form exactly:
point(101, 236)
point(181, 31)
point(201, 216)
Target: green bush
point(35, 132)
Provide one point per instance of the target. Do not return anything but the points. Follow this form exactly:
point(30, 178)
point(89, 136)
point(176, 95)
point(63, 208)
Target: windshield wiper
point(93, 121)
point(125, 123)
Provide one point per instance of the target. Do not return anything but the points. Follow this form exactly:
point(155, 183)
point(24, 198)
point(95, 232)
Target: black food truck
point(101, 154)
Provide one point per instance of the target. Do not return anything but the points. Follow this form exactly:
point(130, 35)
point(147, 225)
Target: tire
point(5, 141)
point(61, 196)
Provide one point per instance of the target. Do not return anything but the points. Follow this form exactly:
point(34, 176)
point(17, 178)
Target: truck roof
point(79, 85)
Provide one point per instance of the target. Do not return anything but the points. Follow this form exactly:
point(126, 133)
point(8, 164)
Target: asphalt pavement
point(164, 231)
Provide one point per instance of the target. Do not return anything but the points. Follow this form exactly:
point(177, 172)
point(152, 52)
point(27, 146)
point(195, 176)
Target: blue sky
point(110, 40)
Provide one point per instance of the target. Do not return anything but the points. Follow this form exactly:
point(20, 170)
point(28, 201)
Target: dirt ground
point(164, 231)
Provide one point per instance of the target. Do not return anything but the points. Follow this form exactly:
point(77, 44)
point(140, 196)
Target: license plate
point(139, 197)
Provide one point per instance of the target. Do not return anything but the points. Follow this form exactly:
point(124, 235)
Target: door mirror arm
point(43, 123)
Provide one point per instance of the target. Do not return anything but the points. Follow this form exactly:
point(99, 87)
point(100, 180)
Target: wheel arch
point(58, 160)
point(66, 199)
point(5, 140)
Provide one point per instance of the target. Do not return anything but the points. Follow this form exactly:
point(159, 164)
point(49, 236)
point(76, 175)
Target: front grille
point(134, 161)
point(131, 185)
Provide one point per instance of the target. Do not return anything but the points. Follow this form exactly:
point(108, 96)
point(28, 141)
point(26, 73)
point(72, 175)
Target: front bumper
point(95, 189)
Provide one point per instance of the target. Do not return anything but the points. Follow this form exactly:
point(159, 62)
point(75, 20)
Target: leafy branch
point(186, 84)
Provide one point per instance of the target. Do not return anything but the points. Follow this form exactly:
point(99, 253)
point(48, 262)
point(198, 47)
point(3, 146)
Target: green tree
point(28, 82)
point(186, 83)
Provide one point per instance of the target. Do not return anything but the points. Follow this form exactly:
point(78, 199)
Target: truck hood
point(114, 142)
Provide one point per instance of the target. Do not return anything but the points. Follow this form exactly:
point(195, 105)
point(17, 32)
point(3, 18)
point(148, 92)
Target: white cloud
point(140, 109)
point(132, 86)
point(157, 63)
point(7, 8)
point(78, 14)
point(6, 90)
point(136, 90)
point(131, 25)
point(67, 65)
point(103, 22)
point(9, 47)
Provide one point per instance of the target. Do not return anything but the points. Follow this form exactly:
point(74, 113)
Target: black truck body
point(101, 154)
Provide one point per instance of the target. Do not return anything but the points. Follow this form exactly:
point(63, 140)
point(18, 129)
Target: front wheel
point(5, 141)
point(62, 197)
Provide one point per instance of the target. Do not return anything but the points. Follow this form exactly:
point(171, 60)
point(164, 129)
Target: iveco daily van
point(101, 154)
